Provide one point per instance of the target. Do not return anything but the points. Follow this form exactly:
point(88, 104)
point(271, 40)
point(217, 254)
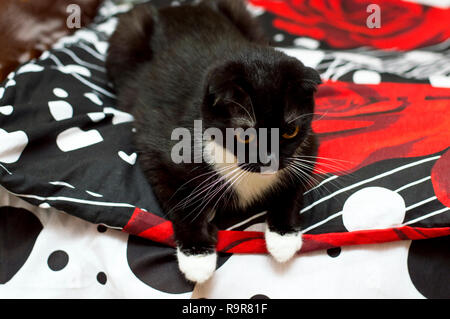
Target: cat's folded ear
point(226, 93)
point(310, 80)
point(226, 87)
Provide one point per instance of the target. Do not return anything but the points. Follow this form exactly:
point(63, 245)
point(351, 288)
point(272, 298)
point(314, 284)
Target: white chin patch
point(283, 247)
point(197, 268)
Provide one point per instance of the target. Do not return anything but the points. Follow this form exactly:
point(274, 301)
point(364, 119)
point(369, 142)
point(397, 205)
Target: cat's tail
point(129, 45)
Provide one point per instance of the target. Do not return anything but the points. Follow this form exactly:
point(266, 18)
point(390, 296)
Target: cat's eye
point(291, 133)
point(245, 138)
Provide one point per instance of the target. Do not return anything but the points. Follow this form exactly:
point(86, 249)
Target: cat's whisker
point(307, 173)
point(299, 168)
point(297, 174)
point(200, 189)
point(335, 183)
point(299, 117)
point(334, 163)
point(253, 120)
point(325, 158)
point(212, 172)
point(228, 185)
point(253, 109)
point(208, 188)
point(307, 114)
point(311, 167)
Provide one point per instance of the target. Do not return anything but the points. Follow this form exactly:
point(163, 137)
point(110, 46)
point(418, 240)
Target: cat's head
point(269, 102)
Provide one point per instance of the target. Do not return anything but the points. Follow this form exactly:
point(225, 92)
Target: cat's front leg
point(196, 248)
point(283, 236)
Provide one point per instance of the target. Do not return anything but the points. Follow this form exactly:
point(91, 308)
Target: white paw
point(197, 268)
point(283, 247)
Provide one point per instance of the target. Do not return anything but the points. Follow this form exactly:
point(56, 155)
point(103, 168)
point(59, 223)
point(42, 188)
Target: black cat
point(210, 63)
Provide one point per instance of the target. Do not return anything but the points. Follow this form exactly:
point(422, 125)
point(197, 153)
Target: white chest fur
point(247, 185)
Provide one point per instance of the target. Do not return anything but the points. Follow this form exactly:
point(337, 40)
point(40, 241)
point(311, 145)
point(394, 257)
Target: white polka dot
point(307, 43)
point(373, 208)
point(2, 91)
point(366, 77)
point(74, 138)
point(310, 58)
point(44, 55)
point(11, 82)
point(72, 68)
point(94, 98)
point(101, 46)
point(255, 10)
point(6, 110)
point(119, 116)
point(440, 81)
point(94, 194)
point(422, 56)
point(60, 110)
point(44, 205)
point(60, 93)
point(13, 144)
point(30, 68)
point(96, 116)
point(278, 37)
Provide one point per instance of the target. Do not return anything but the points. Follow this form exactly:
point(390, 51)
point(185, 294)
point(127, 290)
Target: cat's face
point(266, 109)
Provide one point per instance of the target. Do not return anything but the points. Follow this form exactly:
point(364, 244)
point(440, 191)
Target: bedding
point(78, 219)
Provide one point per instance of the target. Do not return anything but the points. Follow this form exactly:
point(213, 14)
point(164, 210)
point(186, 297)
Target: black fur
point(175, 65)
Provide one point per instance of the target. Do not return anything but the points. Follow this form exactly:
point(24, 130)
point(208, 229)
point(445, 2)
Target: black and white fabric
point(69, 177)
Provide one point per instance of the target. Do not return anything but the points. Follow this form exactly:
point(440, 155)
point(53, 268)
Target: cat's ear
point(226, 89)
point(310, 80)
point(226, 93)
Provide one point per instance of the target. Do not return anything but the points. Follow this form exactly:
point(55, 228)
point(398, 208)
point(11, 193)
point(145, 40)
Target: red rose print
point(383, 121)
point(342, 24)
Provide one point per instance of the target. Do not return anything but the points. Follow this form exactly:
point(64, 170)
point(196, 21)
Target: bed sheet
point(77, 214)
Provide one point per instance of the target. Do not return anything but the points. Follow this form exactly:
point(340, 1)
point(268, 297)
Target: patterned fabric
point(382, 174)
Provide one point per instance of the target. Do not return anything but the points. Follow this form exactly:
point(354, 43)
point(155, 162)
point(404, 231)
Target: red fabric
point(383, 121)
point(342, 24)
point(245, 242)
point(440, 177)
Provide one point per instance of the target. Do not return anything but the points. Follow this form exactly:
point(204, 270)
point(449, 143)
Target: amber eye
point(292, 134)
point(245, 138)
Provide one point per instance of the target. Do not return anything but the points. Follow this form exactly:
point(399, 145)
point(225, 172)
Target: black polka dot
point(156, 265)
point(260, 296)
point(101, 228)
point(58, 260)
point(101, 277)
point(19, 229)
point(429, 267)
point(334, 252)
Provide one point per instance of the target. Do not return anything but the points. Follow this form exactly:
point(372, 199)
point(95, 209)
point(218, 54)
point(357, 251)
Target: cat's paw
point(197, 268)
point(283, 247)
